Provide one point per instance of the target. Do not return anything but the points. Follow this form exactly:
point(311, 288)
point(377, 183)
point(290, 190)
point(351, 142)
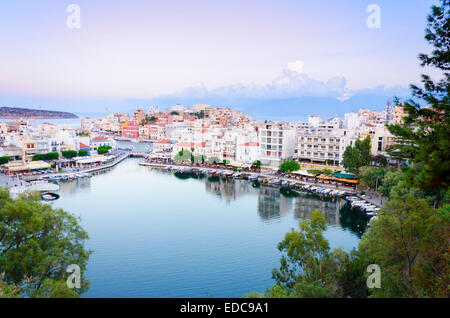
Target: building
point(139, 115)
point(247, 152)
point(322, 148)
point(130, 129)
point(276, 142)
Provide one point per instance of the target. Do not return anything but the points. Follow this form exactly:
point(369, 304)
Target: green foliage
point(289, 166)
point(200, 114)
point(309, 269)
point(357, 156)
point(103, 149)
point(256, 164)
point(410, 243)
point(183, 155)
point(69, 154)
point(82, 153)
point(315, 172)
point(46, 156)
point(390, 179)
point(423, 136)
point(83, 133)
point(4, 159)
point(327, 172)
point(174, 113)
point(37, 243)
point(368, 177)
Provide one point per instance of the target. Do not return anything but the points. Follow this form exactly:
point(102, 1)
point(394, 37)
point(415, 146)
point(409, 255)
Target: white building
point(277, 143)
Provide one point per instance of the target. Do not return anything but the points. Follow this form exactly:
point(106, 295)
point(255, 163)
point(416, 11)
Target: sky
point(138, 49)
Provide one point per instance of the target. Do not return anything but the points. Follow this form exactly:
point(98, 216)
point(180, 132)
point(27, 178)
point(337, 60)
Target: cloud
point(295, 67)
point(292, 82)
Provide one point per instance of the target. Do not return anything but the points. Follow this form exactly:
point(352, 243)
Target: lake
point(156, 235)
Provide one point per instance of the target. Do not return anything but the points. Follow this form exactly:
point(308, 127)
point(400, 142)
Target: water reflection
point(272, 203)
point(149, 228)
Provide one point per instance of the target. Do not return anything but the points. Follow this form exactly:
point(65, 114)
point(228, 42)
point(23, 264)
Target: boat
point(273, 181)
point(253, 177)
point(49, 196)
point(262, 179)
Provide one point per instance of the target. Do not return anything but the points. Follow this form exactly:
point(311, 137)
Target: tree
point(357, 156)
point(69, 154)
point(82, 153)
point(183, 155)
point(390, 179)
point(52, 156)
point(103, 149)
point(371, 177)
point(409, 241)
point(46, 156)
point(289, 166)
point(423, 135)
point(37, 243)
point(4, 159)
point(380, 160)
point(309, 269)
point(256, 164)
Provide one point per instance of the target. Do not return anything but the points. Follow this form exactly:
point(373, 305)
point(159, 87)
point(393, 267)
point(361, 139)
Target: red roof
point(100, 138)
point(166, 141)
point(83, 145)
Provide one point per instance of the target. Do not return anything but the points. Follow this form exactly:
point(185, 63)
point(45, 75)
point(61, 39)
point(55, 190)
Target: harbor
point(257, 179)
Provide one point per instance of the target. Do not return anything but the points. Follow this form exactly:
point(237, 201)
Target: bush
point(69, 154)
point(46, 156)
point(289, 166)
point(103, 149)
point(4, 159)
point(82, 153)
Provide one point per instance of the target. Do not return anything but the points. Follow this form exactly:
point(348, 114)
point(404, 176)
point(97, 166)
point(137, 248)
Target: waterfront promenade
point(263, 174)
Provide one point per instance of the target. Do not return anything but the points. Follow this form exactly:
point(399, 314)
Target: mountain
point(16, 112)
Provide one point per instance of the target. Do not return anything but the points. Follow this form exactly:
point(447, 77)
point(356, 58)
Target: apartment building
point(276, 143)
point(320, 147)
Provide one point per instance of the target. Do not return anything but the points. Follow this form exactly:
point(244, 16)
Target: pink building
point(131, 130)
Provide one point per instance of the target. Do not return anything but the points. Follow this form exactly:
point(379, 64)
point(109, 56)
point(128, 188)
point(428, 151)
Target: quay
point(259, 175)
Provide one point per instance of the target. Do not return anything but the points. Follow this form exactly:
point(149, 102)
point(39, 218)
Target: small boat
point(262, 180)
point(273, 181)
point(253, 177)
point(49, 196)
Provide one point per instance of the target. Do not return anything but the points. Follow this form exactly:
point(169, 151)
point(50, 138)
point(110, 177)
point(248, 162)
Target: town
point(211, 134)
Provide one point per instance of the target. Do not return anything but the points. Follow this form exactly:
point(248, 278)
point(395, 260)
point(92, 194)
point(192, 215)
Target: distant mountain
point(15, 112)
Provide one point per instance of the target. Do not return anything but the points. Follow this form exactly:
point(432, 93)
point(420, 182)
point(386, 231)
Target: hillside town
point(210, 132)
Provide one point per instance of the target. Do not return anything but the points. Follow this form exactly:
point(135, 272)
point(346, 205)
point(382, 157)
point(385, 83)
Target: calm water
point(155, 235)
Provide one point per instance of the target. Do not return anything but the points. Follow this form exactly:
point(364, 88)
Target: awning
point(337, 179)
point(33, 165)
point(88, 160)
point(303, 173)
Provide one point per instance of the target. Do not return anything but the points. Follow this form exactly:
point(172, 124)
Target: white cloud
point(295, 67)
point(291, 83)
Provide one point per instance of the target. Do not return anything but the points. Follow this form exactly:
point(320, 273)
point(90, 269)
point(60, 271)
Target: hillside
point(15, 112)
